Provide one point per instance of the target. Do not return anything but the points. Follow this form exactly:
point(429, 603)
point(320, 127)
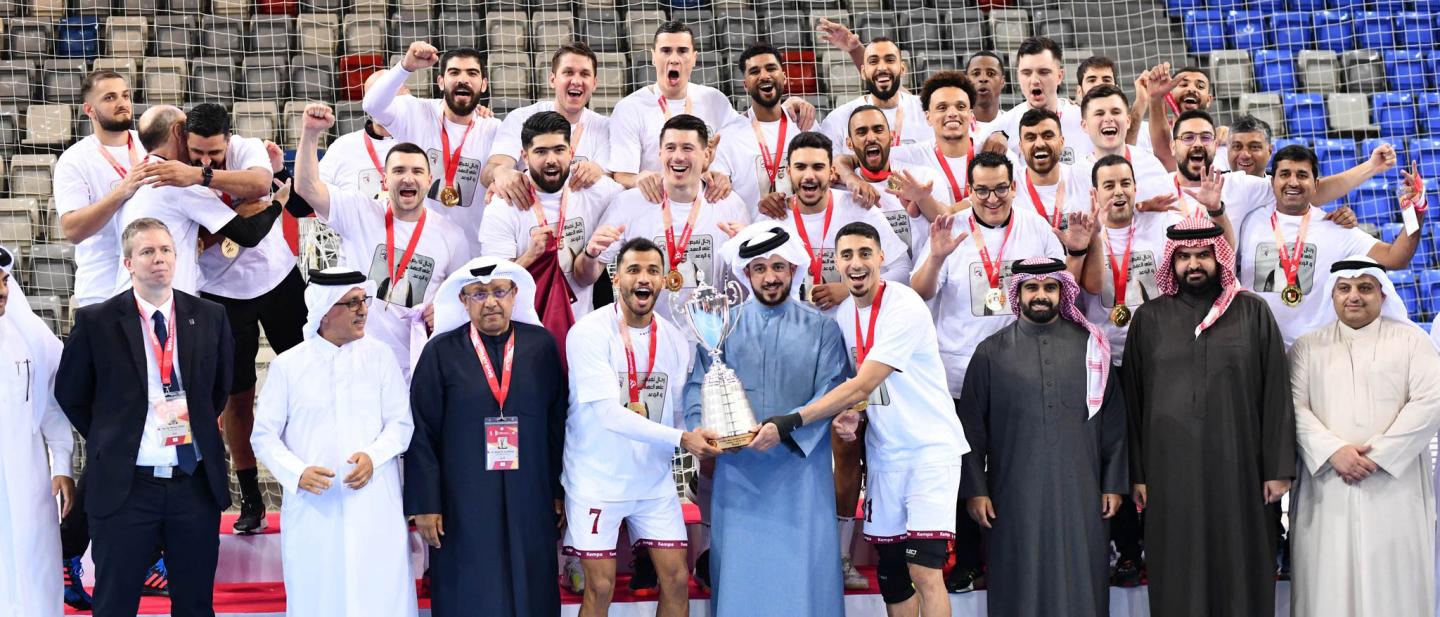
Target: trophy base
point(734, 441)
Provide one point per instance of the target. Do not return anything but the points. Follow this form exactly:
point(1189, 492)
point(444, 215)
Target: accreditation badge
point(172, 419)
point(502, 443)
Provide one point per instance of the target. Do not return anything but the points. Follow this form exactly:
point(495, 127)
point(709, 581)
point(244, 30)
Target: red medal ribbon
point(665, 105)
point(992, 267)
point(633, 375)
point(816, 261)
point(870, 176)
point(499, 387)
point(1040, 205)
point(863, 345)
point(165, 356)
point(134, 156)
point(375, 157)
point(1120, 272)
point(955, 192)
point(451, 160)
point(1290, 262)
point(1180, 195)
point(540, 213)
point(395, 273)
point(772, 165)
point(676, 250)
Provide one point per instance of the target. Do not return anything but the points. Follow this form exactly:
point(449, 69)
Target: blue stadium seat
point(1374, 30)
point(1426, 153)
point(1268, 6)
point(1394, 112)
point(1305, 114)
point(1204, 31)
point(1336, 155)
point(1427, 106)
point(1334, 31)
point(1428, 284)
point(1308, 6)
point(1281, 142)
point(1405, 285)
point(1429, 243)
point(1372, 203)
point(1406, 68)
point(1227, 5)
point(1275, 70)
point(1292, 30)
point(1247, 30)
point(1421, 259)
point(78, 37)
point(1417, 30)
point(1177, 8)
point(1368, 147)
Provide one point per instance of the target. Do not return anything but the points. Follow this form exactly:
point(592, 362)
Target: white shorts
point(909, 504)
point(592, 528)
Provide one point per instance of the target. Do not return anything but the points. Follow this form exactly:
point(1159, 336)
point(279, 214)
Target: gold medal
point(893, 184)
point(1291, 295)
point(1120, 316)
point(639, 408)
point(450, 197)
point(995, 300)
point(674, 281)
point(229, 248)
point(860, 406)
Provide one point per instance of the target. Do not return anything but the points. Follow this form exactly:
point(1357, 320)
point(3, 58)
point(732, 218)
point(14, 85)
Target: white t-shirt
point(83, 177)
point(637, 119)
point(360, 222)
point(1151, 179)
point(912, 419)
point(1325, 244)
point(505, 233)
point(254, 271)
point(1242, 194)
point(846, 211)
point(909, 123)
point(643, 219)
point(913, 231)
point(961, 317)
point(922, 154)
point(1076, 195)
point(184, 211)
point(347, 164)
point(612, 453)
point(748, 176)
point(1146, 251)
point(594, 138)
point(1076, 141)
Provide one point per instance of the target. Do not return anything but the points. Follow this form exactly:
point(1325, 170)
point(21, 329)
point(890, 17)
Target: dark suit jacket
point(102, 386)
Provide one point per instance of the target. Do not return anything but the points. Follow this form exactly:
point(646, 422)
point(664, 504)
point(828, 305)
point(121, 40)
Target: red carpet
point(227, 523)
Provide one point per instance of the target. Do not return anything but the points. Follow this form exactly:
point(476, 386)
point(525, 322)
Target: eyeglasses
point(984, 192)
point(354, 304)
point(482, 295)
point(1205, 138)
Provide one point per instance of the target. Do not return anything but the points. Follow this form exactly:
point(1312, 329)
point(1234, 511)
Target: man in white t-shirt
point(1250, 147)
point(1100, 70)
point(526, 235)
point(946, 98)
point(1286, 276)
point(1105, 114)
point(914, 441)
point(987, 71)
point(1038, 74)
point(1046, 186)
point(455, 133)
point(628, 368)
point(884, 74)
point(687, 223)
point(756, 144)
point(1188, 89)
point(572, 77)
point(394, 241)
point(353, 160)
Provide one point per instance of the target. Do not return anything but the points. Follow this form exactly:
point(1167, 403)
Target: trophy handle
point(734, 295)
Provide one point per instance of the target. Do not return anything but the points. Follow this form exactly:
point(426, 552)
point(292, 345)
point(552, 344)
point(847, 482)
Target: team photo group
point(1094, 340)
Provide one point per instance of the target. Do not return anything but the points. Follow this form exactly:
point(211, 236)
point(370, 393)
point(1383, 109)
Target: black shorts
point(281, 311)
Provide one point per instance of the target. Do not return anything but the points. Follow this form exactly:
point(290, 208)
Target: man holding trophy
point(786, 354)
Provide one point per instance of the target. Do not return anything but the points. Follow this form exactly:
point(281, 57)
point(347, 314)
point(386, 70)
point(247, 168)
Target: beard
point(779, 296)
point(458, 108)
point(1184, 167)
point(1209, 284)
point(1039, 311)
point(546, 186)
point(763, 100)
point(886, 94)
point(113, 124)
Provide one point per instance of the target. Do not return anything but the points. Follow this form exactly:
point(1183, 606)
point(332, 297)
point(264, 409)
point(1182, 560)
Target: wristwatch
point(206, 175)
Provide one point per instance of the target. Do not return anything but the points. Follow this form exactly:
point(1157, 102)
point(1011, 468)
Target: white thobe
point(1365, 550)
point(346, 552)
point(29, 517)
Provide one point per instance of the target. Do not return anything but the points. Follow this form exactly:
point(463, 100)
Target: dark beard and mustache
point(459, 109)
point(886, 94)
point(546, 186)
point(1039, 311)
point(784, 295)
point(112, 124)
point(1210, 284)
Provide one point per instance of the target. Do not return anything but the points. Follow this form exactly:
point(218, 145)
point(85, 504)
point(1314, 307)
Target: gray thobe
point(1044, 462)
point(774, 546)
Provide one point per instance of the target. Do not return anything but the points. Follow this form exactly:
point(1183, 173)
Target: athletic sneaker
point(965, 581)
point(644, 583)
point(157, 580)
point(702, 571)
point(75, 595)
point(252, 518)
point(574, 575)
point(1128, 573)
point(854, 580)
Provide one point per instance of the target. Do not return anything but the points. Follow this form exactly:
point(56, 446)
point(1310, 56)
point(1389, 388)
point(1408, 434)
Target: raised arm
point(381, 101)
point(318, 118)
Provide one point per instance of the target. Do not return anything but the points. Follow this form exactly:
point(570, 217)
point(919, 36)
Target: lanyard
point(992, 267)
point(540, 213)
point(134, 156)
point(1290, 262)
point(815, 256)
point(452, 160)
point(869, 176)
point(863, 345)
point(375, 158)
point(575, 135)
point(395, 273)
point(899, 120)
point(955, 192)
point(676, 250)
point(632, 375)
point(665, 105)
point(165, 355)
point(1180, 195)
point(1040, 205)
point(499, 387)
point(772, 164)
point(1120, 272)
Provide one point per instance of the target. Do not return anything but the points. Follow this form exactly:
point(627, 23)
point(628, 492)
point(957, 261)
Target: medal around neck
point(995, 300)
point(230, 248)
point(1291, 295)
point(449, 197)
point(1120, 316)
point(723, 406)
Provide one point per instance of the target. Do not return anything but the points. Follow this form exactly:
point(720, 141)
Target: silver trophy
point(723, 406)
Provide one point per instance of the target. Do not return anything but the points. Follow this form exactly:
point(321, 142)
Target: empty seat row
point(1236, 72)
point(1391, 115)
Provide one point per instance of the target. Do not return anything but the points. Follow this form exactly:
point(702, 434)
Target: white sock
point(847, 535)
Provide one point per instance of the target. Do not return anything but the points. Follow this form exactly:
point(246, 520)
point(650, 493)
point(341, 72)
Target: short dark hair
point(462, 52)
point(208, 120)
point(1094, 63)
point(1296, 152)
point(579, 48)
point(862, 109)
point(758, 48)
point(989, 159)
point(1250, 124)
point(673, 27)
point(96, 77)
point(406, 147)
point(638, 244)
point(1037, 45)
point(1100, 92)
point(810, 139)
point(1037, 115)
point(1107, 161)
point(687, 122)
point(985, 54)
point(544, 123)
point(946, 79)
point(857, 228)
point(1190, 115)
